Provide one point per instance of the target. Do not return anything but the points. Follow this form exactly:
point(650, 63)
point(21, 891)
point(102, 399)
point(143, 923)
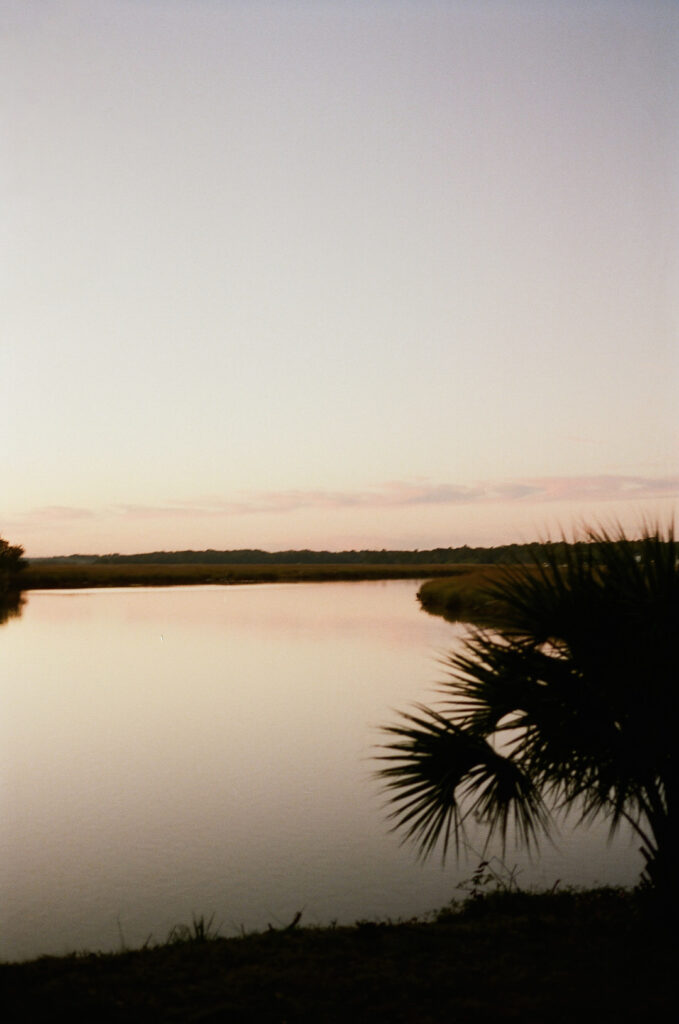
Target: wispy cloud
point(604, 488)
point(61, 512)
point(390, 495)
point(402, 494)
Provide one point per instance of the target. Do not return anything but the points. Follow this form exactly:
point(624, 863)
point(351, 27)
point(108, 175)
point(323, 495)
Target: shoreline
point(464, 596)
point(505, 956)
point(77, 577)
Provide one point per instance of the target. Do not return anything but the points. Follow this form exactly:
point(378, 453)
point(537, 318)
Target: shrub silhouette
point(570, 704)
point(11, 563)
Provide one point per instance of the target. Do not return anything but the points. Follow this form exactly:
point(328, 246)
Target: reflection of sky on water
point(209, 749)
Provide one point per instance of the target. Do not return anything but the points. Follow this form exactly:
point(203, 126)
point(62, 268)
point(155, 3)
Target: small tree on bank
point(570, 704)
point(11, 564)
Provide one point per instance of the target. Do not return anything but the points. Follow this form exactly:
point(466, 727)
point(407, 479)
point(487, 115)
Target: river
point(169, 752)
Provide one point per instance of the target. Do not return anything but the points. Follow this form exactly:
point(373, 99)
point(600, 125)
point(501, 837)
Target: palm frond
point(437, 773)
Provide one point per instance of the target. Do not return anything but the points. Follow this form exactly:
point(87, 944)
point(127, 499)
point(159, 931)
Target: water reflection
point(164, 752)
point(11, 605)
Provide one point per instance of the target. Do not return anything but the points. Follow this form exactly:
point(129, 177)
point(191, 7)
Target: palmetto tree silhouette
point(570, 703)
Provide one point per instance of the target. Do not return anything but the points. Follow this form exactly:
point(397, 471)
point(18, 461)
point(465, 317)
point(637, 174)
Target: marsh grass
point(463, 595)
point(200, 930)
point(46, 576)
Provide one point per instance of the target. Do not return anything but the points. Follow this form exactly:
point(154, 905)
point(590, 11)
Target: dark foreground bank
point(608, 955)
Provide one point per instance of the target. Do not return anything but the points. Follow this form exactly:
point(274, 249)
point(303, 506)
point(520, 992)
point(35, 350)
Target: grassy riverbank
point(504, 957)
point(462, 594)
point(49, 576)
point(454, 591)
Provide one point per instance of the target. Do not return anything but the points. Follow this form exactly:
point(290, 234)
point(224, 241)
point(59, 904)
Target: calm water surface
point(165, 752)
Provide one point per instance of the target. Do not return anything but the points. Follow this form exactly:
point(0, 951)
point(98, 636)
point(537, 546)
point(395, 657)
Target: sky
point(337, 273)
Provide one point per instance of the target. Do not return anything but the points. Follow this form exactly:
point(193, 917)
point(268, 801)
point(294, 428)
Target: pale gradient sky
point(336, 273)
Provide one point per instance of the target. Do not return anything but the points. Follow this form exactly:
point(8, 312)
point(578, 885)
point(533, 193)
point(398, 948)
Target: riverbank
point(46, 576)
point(503, 957)
point(462, 595)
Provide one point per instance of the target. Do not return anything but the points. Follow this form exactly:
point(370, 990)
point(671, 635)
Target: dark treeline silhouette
point(247, 556)
point(465, 555)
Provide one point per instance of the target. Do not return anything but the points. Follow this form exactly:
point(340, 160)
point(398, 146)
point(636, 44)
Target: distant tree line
point(465, 555)
point(247, 556)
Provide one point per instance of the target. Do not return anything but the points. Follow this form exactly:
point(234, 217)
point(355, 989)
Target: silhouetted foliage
point(11, 564)
point(570, 704)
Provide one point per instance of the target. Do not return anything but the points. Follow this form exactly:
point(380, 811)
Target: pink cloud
point(400, 494)
point(390, 495)
point(605, 487)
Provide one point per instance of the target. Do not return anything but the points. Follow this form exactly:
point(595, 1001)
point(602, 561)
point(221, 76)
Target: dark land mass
point(465, 595)
point(465, 555)
point(66, 574)
point(604, 955)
